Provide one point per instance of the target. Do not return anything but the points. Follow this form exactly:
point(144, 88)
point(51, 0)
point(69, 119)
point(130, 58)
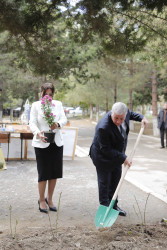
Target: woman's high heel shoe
point(54, 209)
point(43, 210)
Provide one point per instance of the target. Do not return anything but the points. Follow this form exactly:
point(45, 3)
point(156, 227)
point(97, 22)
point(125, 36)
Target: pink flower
point(53, 105)
point(46, 106)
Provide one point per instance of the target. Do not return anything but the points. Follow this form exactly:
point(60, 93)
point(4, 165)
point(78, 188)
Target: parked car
point(78, 111)
point(69, 111)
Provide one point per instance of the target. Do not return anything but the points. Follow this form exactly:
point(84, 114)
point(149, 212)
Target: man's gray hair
point(119, 108)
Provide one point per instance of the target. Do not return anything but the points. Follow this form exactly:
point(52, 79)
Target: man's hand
point(144, 122)
point(127, 162)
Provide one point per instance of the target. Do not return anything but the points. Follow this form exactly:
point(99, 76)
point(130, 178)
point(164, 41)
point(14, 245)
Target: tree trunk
point(22, 108)
point(97, 112)
point(143, 109)
point(106, 104)
point(36, 93)
point(154, 93)
point(130, 88)
point(1, 103)
point(43, 78)
point(154, 103)
point(130, 99)
point(115, 92)
point(91, 112)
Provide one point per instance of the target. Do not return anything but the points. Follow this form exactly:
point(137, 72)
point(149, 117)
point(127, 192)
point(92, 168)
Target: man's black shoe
point(121, 212)
point(162, 147)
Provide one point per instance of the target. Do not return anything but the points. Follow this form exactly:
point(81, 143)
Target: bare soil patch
point(81, 237)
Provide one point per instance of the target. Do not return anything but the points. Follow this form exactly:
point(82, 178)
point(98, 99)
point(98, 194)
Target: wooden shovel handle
point(125, 168)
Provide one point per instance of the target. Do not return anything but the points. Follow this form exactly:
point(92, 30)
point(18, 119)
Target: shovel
point(106, 216)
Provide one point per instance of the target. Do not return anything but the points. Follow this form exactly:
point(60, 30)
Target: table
point(23, 132)
point(18, 131)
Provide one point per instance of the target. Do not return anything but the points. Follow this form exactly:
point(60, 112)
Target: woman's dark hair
point(46, 86)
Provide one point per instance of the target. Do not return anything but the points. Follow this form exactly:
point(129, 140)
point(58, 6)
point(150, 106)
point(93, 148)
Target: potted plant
point(46, 106)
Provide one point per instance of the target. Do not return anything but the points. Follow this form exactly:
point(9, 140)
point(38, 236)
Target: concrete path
point(79, 201)
point(149, 169)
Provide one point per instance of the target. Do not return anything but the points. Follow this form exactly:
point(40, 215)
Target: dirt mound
point(78, 237)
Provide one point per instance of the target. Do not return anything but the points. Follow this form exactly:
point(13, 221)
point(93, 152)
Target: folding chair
point(5, 138)
point(25, 136)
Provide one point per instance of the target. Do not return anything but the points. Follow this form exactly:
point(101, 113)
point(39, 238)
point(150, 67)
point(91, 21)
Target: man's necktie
point(123, 132)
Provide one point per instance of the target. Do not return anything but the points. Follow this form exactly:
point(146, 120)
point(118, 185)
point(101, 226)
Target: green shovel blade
point(106, 216)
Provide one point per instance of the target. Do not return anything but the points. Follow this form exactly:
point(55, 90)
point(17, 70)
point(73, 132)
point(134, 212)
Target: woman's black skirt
point(49, 162)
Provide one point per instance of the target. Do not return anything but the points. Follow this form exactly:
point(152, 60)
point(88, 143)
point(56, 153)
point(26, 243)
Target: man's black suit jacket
point(108, 146)
point(160, 120)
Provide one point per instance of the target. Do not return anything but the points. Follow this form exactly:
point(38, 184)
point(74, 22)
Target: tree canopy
point(54, 39)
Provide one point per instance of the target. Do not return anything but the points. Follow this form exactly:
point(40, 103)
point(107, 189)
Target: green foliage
point(123, 43)
point(122, 26)
point(83, 105)
point(59, 95)
point(45, 37)
point(153, 4)
point(142, 95)
point(38, 35)
point(17, 84)
point(162, 87)
point(28, 17)
point(98, 91)
point(93, 7)
point(13, 236)
point(40, 39)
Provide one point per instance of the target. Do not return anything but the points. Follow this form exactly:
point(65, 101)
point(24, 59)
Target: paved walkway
point(79, 201)
point(149, 169)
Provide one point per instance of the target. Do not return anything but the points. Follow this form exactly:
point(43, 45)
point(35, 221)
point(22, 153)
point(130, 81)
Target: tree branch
point(153, 15)
point(144, 24)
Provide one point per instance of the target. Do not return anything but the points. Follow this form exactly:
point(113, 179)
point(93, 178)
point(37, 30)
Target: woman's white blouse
point(37, 123)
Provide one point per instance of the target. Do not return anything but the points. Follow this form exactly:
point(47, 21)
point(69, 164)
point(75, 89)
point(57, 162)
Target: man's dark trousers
point(107, 183)
point(162, 132)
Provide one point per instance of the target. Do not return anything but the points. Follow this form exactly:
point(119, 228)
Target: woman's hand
point(127, 162)
point(42, 137)
point(54, 126)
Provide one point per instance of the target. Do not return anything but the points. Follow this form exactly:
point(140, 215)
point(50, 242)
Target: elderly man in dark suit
point(108, 150)
point(162, 124)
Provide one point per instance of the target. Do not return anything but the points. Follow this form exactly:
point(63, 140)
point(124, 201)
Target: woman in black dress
point(49, 156)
